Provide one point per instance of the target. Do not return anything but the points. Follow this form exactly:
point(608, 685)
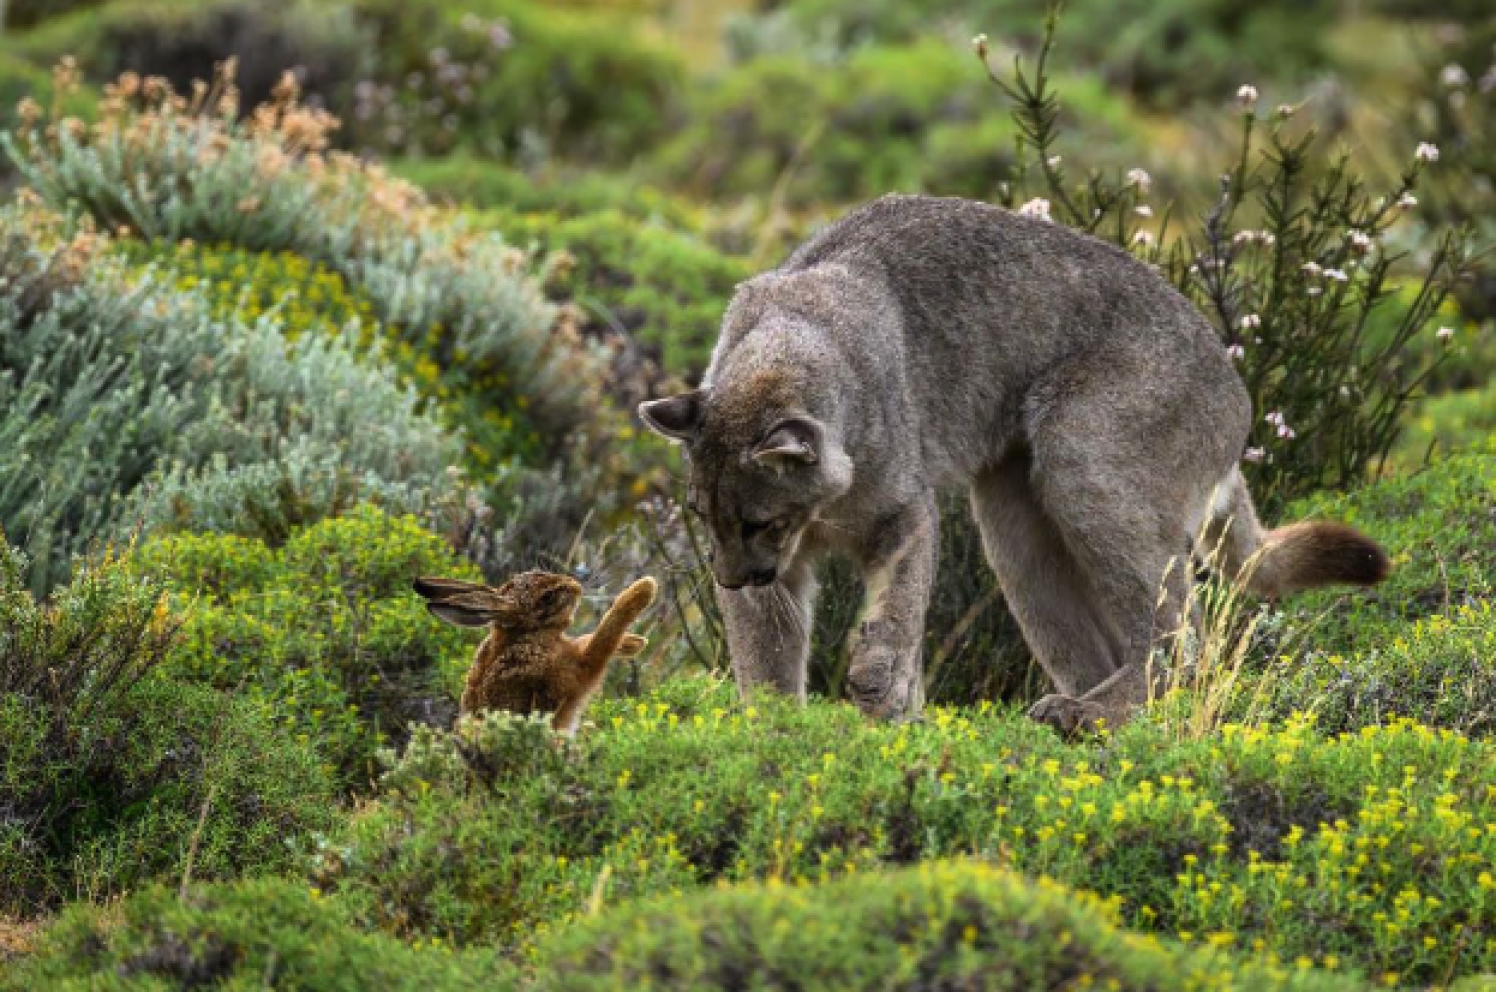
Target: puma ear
point(675, 417)
point(796, 441)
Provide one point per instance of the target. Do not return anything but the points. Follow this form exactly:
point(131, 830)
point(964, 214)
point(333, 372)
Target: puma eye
point(769, 528)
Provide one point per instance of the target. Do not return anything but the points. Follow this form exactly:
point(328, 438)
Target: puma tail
point(1303, 555)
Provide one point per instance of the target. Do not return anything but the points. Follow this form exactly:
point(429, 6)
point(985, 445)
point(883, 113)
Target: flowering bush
point(1369, 852)
point(948, 924)
point(1290, 265)
point(163, 166)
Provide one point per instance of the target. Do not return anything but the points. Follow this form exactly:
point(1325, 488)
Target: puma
point(1091, 412)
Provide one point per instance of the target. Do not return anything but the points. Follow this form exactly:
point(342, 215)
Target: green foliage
point(946, 924)
point(509, 78)
point(1422, 644)
point(1446, 424)
point(1165, 54)
point(1368, 852)
point(870, 126)
point(664, 288)
point(324, 632)
point(566, 192)
point(181, 40)
point(249, 934)
point(112, 774)
point(505, 77)
point(128, 400)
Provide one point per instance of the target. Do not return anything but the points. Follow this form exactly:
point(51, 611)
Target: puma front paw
point(878, 687)
point(1067, 714)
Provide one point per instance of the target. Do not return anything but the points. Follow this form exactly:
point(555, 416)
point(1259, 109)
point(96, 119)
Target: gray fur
point(922, 343)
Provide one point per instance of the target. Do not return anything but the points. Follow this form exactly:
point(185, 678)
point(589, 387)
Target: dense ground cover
point(251, 383)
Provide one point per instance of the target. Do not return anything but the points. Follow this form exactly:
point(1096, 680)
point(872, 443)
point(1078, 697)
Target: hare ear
point(432, 587)
point(633, 645)
point(478, 608)
point(459, 615)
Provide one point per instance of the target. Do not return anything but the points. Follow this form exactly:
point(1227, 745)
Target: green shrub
point(1368, 852)
point(324, 631)
point(248, 934)
point(566, 192)
point(1165, 54)
point(1444, 425)
point(664, 289)
point(113, 774)
point(505, 77)
point(942, 925)
point(1422, 644)
point(25, 13)
point(129, 400)
point(182, 40)
point(909, 118)
point(509, 78)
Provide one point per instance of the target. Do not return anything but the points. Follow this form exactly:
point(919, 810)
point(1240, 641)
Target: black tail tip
point(1343, 555)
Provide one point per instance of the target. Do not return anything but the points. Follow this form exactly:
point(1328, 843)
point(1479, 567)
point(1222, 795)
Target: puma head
point(759, 469)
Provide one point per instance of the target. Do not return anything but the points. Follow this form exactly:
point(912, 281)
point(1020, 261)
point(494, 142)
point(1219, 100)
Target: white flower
point(1253, 237)
point(1037, 207)
point(1337, 274)
point(1237, 352)
point(1444, 334)
point(1140, 179)
point(1407, 201)
point(1285, 111)
point(1143, 210)
point(1454, 76)
point(1426, 152)
point(1143, 238)
point(1280, 425)
point(1253, 455)
point(1054, 161)
point(1311, 269)
point(1251, 322)
point(979, 42)
point(1361, 242)
point(1246, 96)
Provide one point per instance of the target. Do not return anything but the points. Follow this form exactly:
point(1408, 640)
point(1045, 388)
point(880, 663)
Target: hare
point(527, 664)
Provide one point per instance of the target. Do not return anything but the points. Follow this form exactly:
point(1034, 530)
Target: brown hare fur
point(527, 664)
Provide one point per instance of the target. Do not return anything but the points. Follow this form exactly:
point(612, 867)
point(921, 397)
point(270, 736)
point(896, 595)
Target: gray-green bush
point(127, 402)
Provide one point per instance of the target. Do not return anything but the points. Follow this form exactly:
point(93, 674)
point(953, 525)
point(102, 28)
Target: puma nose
point(762, 577)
